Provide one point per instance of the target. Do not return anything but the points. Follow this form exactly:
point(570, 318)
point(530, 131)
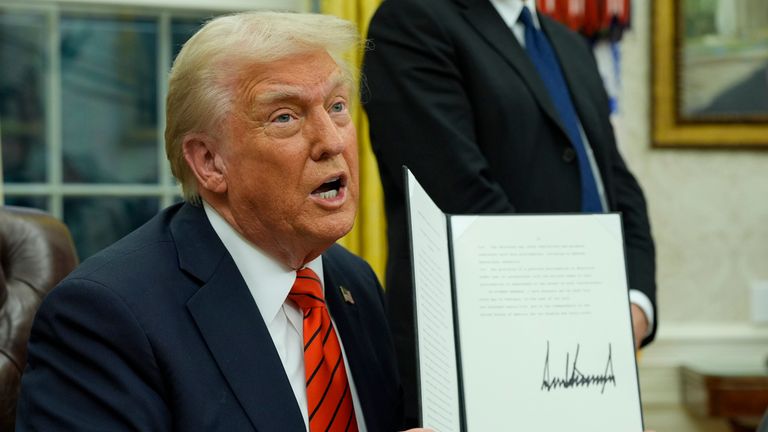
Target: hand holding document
point(523, 321)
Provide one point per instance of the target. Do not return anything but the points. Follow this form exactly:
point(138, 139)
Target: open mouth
point(331, 188)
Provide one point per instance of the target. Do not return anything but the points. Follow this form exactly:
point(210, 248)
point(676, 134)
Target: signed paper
point(540, 313)
point(549, 296)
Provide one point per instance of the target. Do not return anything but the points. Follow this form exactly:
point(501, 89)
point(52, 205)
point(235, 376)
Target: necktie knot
point(526, 18)
point(307, 291)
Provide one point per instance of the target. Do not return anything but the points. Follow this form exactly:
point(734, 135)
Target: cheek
point(353, 185)
point(351, 159)
point(253, 182)
point(350, 153)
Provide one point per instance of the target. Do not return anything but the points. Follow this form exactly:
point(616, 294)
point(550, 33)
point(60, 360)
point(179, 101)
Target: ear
point(203, 158)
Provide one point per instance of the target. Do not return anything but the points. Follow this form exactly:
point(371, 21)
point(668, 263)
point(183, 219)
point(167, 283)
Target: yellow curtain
point(368, 237)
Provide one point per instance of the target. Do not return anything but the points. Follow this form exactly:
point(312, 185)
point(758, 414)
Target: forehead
point(304, 76)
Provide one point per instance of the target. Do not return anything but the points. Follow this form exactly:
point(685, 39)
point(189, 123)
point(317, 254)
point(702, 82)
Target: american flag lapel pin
point(346, 294)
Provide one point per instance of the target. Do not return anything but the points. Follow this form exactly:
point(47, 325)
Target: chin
point(335, 230)
point(341, 231)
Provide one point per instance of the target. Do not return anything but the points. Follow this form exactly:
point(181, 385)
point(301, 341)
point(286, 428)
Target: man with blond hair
point(233, 311)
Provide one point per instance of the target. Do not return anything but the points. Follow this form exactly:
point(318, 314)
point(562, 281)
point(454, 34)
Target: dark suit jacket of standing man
point(453, 95)
point(159, 332)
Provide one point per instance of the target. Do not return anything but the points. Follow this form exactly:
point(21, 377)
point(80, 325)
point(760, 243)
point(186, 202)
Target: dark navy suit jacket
point(159, 332)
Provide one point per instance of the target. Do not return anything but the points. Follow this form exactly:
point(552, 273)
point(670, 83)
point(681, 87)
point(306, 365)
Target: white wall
point(709, 215)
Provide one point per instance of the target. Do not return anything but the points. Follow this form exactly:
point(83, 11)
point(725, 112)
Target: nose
point(325, 136)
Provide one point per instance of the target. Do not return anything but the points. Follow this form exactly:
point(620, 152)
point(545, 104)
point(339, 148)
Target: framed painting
point(709, 73)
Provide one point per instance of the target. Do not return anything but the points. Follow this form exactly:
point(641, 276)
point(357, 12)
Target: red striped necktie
point(329, 400)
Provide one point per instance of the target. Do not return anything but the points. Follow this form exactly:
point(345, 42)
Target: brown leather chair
point(36, 252)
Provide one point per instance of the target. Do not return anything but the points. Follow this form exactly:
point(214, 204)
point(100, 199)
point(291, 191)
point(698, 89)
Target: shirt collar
point(510, 11)
point(268, 280)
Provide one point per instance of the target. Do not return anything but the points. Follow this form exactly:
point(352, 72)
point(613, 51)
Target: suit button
point(569, 155)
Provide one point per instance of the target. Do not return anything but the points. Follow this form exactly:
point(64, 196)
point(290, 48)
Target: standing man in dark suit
point(214, 316)
point(495, 109)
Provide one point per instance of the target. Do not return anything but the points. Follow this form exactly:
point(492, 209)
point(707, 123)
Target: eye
point(282, 118)
point(338, 107)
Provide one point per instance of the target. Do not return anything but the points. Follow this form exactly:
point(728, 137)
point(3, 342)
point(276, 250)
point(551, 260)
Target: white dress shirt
point(510, 12)
point(269, 283)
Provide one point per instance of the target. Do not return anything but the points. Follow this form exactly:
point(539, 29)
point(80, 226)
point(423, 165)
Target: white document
point(435, 337)
point(523, 322)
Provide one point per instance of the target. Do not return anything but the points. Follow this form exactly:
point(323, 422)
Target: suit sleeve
point(90, 366)
point(630, 201)
point(640, 249)
point(419, 112)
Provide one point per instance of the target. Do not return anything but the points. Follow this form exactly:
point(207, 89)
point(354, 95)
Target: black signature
point(574, 377)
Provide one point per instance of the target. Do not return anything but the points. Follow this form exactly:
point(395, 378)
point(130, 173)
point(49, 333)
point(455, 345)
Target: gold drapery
point(368, 238)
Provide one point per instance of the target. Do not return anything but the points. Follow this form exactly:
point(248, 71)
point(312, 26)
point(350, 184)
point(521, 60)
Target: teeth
point(329, 194)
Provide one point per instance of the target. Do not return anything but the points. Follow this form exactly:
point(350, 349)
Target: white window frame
point(54, 188)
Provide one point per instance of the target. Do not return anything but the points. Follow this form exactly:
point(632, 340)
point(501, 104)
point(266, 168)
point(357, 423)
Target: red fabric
point(614, 10)
point(591, 18)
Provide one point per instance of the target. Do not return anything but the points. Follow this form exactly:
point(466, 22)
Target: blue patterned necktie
point(543, 56)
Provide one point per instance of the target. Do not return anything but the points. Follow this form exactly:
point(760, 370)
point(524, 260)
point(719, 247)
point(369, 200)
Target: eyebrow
point(284, 93)
point(288, 92)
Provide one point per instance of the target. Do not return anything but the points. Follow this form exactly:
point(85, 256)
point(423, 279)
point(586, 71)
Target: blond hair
point(201, 83)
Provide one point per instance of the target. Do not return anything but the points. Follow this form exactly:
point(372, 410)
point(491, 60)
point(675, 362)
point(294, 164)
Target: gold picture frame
point(674, 122)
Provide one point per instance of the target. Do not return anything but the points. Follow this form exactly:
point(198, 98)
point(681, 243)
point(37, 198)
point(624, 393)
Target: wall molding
point(720, 346)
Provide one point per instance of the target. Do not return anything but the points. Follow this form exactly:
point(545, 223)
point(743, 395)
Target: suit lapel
point(363, 364)
point(232, 327)
point(482, 16)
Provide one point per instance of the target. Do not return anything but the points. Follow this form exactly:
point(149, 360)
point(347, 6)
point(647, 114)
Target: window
point(81, 112)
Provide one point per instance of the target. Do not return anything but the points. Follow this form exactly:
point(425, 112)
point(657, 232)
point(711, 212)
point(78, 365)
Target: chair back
point(36, 252)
